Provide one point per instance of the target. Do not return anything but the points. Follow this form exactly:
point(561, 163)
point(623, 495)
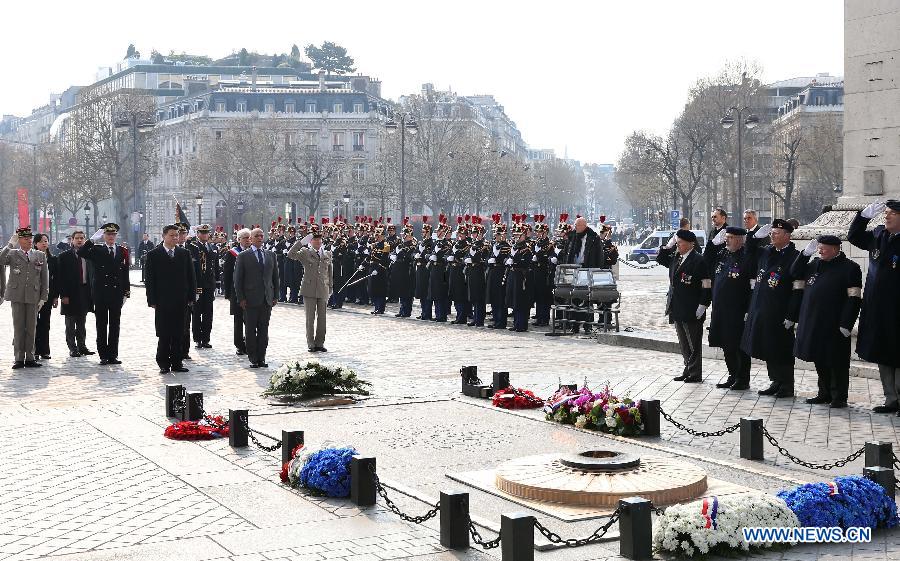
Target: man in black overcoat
point(75, 294)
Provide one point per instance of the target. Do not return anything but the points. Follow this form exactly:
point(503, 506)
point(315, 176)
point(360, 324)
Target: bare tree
point(788, 160)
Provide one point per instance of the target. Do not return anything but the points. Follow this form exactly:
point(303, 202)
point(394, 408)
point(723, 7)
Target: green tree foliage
point(330, 57)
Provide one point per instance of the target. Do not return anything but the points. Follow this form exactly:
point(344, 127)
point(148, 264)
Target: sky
point(575, 76)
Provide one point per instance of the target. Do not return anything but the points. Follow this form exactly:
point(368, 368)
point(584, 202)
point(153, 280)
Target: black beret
point(783, 224)
point(893, 204)
point(686, 235)
point(736, 231)
point(828, 239)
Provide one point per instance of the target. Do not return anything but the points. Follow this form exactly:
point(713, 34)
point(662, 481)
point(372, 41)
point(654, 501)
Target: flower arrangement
point(324, 472)
point(516, 398)
point(845, 502)
point(303, 380)
point(713, 525)
point(601, 411)
point(206, 428)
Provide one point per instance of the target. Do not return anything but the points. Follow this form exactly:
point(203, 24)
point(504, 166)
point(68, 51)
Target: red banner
point(22, 198)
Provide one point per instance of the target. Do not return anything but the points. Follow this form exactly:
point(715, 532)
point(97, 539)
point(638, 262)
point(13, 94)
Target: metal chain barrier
point(704, 434)
point(395, 509)
point(485, 544)
point(211, 420)
point(598, 534)
point(896, 461)
point(252, 434)
point(530, 399)
point(178, 405)
point(810, 465)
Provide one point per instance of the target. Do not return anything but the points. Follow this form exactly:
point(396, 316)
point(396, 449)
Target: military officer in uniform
point(496, 275)
point(476, 273)
point(110, 288)
point(544, 261)
point(205, 259)
point(831, 301)
point(438, 289)
point(376, 267)
point(774, 307)
point(403, 273)
point(27, 290)
point(519, 280)
point(316, 286)
point(456, 276)
point(689, 296)
point(879, 322)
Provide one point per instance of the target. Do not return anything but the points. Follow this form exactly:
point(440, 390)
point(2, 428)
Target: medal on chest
point(686, 278)
point(876, 253)
point(812, 279)
point(735, 271)
point(894, 261)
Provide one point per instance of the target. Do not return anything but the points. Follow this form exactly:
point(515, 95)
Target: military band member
point(774, 307)
point(496, 276)
point(456, 276)
point(476, 273)
point(340, 272)
point(879, 322)
point(422, 260)
point(75, 293)
point(831, 302)
point(110, 288)
point(403, 272)
point(689, 296)
point(27, 290)
point(206, 270)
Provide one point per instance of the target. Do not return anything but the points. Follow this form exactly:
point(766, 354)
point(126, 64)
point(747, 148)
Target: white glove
point(472, 252)
point(557, 250)
point(512, 252)
point(361, 268)
point(509, 261)
point(746, 315)
point(421, 247)
point(374, 273)
point(417, 256)
point(845, 332)
point(763, 231)
point(534, 258)
point(306, 239)
point(720, 237)
point(788, 324)
point(393, 257)
point(496, 251)
point(811, 247)
point(873, 210)
point(97, 235)
point(553, 260)
point(701, 309)
point(467, 260)
point(366, 252)
point(124, 298)
point(432, 257)
point(40, 304)
point(671, 242)
point(13, 241)
point(491, 261)
point(450, 258)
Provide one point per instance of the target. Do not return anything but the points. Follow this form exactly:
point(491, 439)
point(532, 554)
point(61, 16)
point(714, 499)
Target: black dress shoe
point(74, 354)
point(32, 364)
point(163, 370)
point(785, 392)
point(45, 357)
point(18, 364)
point(471, 324)
point(206, 345)
point(186, 357)
point(322, 349)
point(818, 400)
point(198, 346)
point(312, 350)
point(398, 315)
point(239, 352)
point(693, 379)
point(104, 361)
point(740, 386)
point(884, 409)
point(771, 390)
point(521, 330)
point(114, 361)
point(86, 352)
point(262, 364)
point(491, 326)
point(254, 365)
point(727, 383)
point(179, 369)
point(834, 404)
point(680, 378)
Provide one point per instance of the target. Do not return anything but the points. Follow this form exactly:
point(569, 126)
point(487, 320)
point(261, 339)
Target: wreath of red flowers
point(516, 398)
point(205, 429)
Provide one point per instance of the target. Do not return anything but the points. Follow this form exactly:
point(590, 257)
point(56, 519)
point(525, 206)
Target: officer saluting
point(206, 270)
point(29, 286)
point(110, 288)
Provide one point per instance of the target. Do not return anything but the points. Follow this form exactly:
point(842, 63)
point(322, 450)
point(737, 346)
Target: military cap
point(736, 231)
point(686, 235)
point(110, 227)
point(828, 239)
point(783, 224)
point(24, 232)
point(893, 204)
point(203, 229)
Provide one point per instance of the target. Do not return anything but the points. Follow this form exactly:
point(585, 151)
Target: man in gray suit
point(256, 290)
point(29, 286)
point(315, 287)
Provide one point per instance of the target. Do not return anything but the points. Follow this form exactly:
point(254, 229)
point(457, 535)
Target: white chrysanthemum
point(581, 421)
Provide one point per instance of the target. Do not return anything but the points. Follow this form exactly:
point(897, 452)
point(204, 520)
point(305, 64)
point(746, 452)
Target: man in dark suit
point(710, 251)
point(170, 288)
point(110, 288)
point(228, 263)
point(256, 289)
point(143, 249)
point(206, 271)
point(585, 248)
point(690, 292)
point(75, 291)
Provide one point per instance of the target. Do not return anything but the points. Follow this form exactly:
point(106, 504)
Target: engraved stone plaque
point(873, 182)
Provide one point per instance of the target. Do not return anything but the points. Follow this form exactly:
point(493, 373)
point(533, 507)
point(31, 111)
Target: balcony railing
point(359, 148)
point(338, 147)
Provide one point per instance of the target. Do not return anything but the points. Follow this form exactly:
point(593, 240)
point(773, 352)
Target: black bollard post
point(751, 438)
point(884, 477)
point(501, 381)
point(635, 528)
point(193, 406)
point(174, 394)
point(362, 481)
point(649, 409)
point(290, 439)
point(879, 453)
point(517, 543)
point(455, 520)
point(237, 428)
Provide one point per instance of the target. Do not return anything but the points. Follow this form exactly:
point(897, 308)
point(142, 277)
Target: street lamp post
point(347, 204)
point(407, 122)
point(199, 200)
point(744, 119)
point(87, 219)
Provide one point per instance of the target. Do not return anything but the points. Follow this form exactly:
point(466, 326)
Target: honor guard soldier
point(110, 288)
point(183, 229)
point(544, 252)
point(438, 288)
point(774, 306)
point(519, 278)
point(376, 267)
point(831, 301)
point(476, 272)
point(496, 276)
point(340, 271)
point(293, 270)
point(403, 271)
point(206, 270)
point(456, 276)
point(422, 260)
point(27, 290)
point(689, 296)
point(879, 324)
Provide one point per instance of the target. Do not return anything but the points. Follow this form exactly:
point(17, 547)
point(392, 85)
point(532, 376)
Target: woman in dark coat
point(42, 330)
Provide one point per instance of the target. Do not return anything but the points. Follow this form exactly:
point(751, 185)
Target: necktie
point(80, 270)
point(259, 256)
point(171, 253)
point(111, 254)
point(26, 256)
point(676, 264)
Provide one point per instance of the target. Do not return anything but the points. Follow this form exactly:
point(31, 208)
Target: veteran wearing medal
point(27, 290)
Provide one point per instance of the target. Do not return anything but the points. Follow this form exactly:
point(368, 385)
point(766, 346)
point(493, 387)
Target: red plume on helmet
point(563, 217)
point(389, 220)
point(442, 219)
point(424, 219)
point(324, 220)
point(406, 221)
point(273, 223)
point(602, 218)
point(459, 219)
point(467, 218)
point(496, 217)
point(279, 220)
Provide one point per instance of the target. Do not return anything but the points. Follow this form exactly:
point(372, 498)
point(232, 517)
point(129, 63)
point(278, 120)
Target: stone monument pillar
point(871, 118)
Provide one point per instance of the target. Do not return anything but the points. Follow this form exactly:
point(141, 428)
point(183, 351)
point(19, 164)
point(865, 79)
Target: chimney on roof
point(321, 80)
point(253, 79)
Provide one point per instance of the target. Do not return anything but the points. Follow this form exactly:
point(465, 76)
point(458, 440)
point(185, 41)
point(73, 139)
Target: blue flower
point(858, 502)
point(328, 472)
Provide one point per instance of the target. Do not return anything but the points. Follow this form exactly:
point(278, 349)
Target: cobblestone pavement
point(86, 474)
